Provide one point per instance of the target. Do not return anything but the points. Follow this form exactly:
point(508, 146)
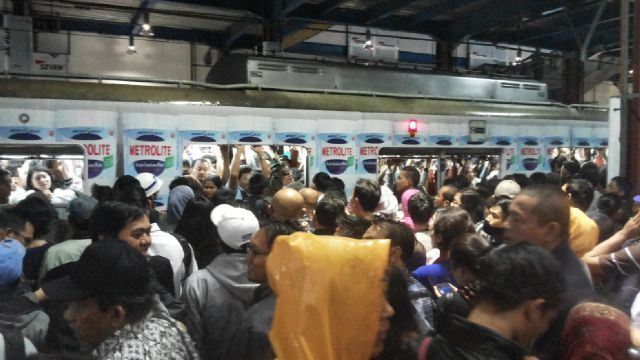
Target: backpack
point(14, 348)
point(188, 255)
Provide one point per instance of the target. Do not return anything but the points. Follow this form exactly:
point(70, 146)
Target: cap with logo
point(235, 226)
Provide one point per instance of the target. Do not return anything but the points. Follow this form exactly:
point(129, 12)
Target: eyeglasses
point(254, 251)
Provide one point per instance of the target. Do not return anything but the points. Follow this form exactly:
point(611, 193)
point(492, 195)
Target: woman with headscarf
point(596, 331)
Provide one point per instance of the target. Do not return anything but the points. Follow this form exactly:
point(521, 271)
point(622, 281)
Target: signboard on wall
point(49, 63)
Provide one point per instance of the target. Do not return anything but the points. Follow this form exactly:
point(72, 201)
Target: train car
point(345, 120)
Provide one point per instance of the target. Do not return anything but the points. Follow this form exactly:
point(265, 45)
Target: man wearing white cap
point(163, 243)
point(218, 296)
point(507, 189)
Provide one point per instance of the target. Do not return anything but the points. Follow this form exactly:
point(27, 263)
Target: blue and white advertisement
point(372, 135)
point(19, 125)
point(249, 130)
point(531, 156)
point(151, 149)
point(96, 131)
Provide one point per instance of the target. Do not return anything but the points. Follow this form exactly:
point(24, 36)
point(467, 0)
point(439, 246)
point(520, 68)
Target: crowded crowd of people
point(247, 262)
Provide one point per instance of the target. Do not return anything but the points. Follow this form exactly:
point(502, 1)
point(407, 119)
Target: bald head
point(310, 197)
point(286, 204)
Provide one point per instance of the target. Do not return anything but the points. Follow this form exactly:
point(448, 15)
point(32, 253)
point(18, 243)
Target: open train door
point(438, 164)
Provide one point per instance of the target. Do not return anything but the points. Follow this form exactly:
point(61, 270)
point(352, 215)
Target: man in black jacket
point(515, 303)
point(539, 215)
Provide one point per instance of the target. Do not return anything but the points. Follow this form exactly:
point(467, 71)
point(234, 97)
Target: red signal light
point(413, 127)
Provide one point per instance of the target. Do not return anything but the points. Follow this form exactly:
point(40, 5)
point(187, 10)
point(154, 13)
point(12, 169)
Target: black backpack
point(13, 343)
point(188, 257)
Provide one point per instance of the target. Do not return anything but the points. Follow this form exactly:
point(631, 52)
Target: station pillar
point(444, 58)
point(633, 164)
point(573, 79)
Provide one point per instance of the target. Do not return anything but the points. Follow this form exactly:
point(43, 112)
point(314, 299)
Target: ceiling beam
point(386, 9)
point(330, 5)
point(490, 18)
point(303, 34)
point(439, 9)
point(289, 6)
point(234, 32)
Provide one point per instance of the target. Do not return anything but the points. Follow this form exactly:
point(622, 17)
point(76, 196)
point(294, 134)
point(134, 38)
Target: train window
point(295, 157)
point(597, 155)
point(67, 164)
point(437, 164)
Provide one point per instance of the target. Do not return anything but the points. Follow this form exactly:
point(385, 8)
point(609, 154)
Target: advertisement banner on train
point(96, 131)
point(582, 136)
point(203, 131)
point(151, 149)
point(337, 150)
point(372, 135)
point(24, 126)
point(506, 137)
point(601, 136)
point(555, 136)
point(531, 156)
point(249, 130)
point(442, 134)
point(368, 146)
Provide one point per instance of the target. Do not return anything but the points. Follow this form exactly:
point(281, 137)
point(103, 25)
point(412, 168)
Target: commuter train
point(341, 130)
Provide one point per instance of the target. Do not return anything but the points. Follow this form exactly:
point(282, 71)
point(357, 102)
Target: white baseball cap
point(507, 188)
point(149, 182)
point(235, 226)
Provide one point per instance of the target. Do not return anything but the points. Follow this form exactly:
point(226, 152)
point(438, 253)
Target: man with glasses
point(251, 339)
point(218, 296)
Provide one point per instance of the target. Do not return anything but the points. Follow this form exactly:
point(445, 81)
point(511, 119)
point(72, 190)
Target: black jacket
point(464, 340)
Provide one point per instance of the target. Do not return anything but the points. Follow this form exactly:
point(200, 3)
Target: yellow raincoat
point(329, 296)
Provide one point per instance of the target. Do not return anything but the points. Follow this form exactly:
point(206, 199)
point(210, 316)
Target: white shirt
point(167, 246)
point(60, 196)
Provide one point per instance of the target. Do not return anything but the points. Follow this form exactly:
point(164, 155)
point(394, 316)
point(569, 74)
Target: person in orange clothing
point(583, 231)
point(321, 313)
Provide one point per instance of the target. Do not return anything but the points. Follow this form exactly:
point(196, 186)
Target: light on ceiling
point(368, 43)
point(131, 50)
point(146, 25)
point(518, 58)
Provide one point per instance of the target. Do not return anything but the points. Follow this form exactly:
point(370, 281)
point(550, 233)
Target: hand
point(240, 148)
point(258, 149)
point(48, 194)
point(632, 228)
point(224, 149)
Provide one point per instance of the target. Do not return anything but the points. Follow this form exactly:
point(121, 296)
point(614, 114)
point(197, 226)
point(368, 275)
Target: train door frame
point(441, 153)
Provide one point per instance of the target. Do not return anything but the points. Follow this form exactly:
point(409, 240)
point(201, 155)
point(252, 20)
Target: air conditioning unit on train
point(296, 74)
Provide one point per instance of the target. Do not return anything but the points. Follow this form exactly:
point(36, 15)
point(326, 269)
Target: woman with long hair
point(196, 227)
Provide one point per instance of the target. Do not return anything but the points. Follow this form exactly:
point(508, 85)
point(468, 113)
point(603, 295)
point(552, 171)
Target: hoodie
point(216, 300)
point(21, 313)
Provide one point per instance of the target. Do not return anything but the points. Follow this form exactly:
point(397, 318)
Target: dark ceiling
point(229, 24)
